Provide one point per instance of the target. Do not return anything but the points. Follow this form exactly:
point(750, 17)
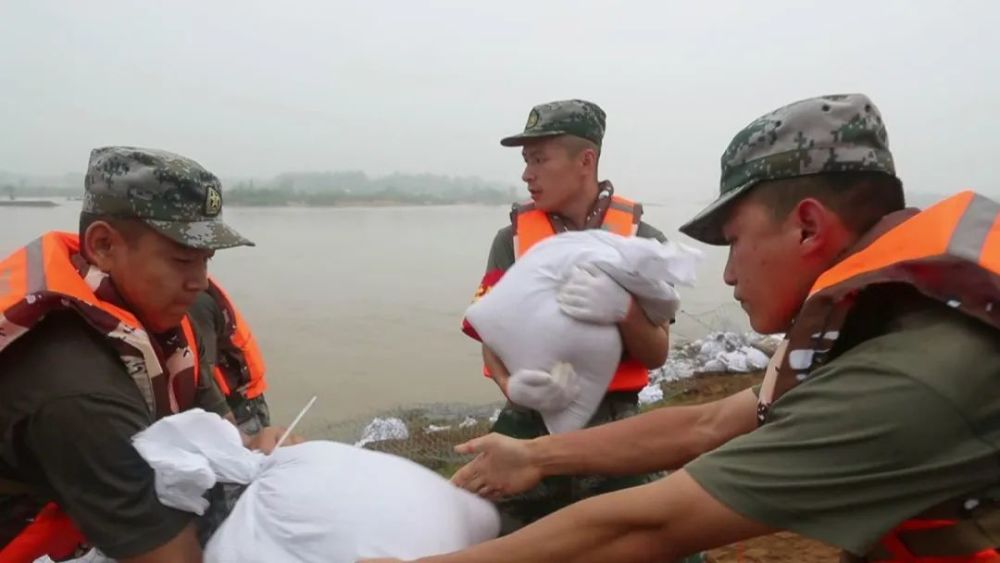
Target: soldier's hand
point(381, 560)
point(265, 440)
point(503, 466)
point(591, 296)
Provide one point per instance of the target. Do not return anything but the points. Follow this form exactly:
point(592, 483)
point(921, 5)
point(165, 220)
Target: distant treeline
point(325, 188)
point(353, 188)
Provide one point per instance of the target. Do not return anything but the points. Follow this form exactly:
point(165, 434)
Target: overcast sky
point(254, 88)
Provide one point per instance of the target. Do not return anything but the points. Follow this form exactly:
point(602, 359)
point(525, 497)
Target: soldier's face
point(554, 177)
point(769, 273)
point(159, 278)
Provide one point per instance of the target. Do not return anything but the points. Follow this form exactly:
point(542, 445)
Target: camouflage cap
point(170, 193)
point(837, 133)
point(579, 118)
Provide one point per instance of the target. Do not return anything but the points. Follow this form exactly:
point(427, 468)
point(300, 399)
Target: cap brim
point(203, 235)
point(522, 138)
point(706, 226)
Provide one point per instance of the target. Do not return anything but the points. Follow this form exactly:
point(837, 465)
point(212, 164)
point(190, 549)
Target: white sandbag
point(330, 502)
point(190, 452)
point(520, 319)
point(317, 501)
point(92, 556)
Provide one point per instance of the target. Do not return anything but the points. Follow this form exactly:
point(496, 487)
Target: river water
point(362, 305)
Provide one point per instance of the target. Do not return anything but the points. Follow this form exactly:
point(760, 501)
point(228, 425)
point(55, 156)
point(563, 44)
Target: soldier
point(876, 427)
point(95, 345)
point(561, 146)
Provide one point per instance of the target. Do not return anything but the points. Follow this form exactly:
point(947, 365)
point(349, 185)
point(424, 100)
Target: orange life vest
point(951, 253)
point(532, 225)
point(41, 277)
point(247, 377)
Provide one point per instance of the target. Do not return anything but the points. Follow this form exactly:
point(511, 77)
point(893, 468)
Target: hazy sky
point(255, 88)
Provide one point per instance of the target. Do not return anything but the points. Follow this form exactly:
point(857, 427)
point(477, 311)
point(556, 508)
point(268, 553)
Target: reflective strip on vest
point(965, 226)
point(532, 225)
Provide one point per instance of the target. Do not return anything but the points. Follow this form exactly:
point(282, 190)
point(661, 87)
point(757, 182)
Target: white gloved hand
point(544, 391)
point(591, 296)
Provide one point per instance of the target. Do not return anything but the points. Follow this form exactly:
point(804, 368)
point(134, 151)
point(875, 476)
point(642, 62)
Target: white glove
point(591, 296)
point(544, 391)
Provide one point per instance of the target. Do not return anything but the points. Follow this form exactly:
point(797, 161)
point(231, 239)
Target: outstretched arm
point(664, 438)
point(662, 521)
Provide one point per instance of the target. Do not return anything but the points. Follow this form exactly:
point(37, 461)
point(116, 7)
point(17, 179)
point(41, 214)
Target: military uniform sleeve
point(83, 445)
point(208, 321)
point(206, 317)
point(207, 395)
point(849, 454)
point(645, 230)
point(501, 251)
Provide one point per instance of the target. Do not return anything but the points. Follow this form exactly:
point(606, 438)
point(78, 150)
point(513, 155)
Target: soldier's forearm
point(620, 526)
point(497, 370)
point(643, 340)
point(661, 439)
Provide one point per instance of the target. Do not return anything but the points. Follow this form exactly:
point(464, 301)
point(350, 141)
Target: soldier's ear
point(589, 157)
point(101, 244)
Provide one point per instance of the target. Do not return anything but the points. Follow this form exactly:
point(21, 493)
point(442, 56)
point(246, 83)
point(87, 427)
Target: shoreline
point(372, 203)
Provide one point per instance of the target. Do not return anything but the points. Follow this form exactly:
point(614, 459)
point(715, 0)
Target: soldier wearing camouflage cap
point(95, 344)
point(181, 200)
point(172, 194)
point(875, 427)
point(561, 144)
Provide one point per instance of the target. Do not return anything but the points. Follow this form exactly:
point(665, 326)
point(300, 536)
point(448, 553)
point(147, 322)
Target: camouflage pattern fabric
point(251, 414)
point(222, 499)
point(827, 134)
point(579, 118)
point(170, 193)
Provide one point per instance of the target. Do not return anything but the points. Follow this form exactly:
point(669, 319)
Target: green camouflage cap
point(837, 133)
point(170, 193)
point(579, 118)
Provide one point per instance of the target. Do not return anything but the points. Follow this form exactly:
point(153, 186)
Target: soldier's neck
point(575, 213)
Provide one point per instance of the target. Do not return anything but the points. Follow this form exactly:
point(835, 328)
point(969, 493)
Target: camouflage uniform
point(585, 120)
point(873, 366)
point(181, 200)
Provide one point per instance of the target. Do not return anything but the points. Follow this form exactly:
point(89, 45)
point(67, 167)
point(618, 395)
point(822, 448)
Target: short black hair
point(860, 199)
point(131, 229)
